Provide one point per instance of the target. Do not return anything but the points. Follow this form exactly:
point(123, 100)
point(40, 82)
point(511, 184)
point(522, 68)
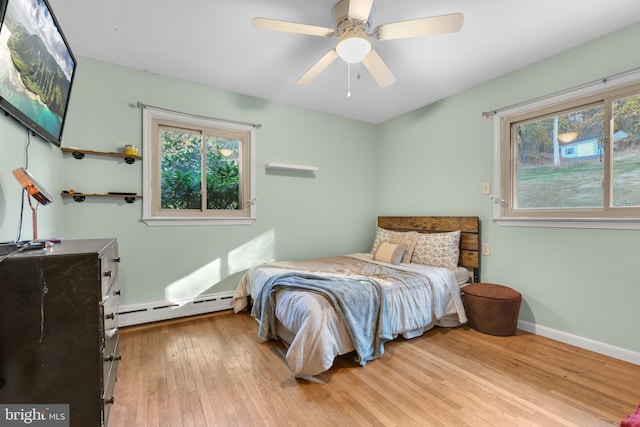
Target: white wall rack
point(286, 166)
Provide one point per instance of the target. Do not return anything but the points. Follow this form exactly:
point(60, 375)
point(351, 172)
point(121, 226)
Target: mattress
point(419, 297)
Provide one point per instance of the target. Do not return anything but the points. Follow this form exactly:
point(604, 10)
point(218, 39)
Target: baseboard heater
point(136, 314)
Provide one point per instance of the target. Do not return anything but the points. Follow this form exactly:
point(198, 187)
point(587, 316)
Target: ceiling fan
point(353, 21)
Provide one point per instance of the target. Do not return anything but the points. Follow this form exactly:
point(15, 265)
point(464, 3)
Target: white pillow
point(438, 249)
point(407, 239)
point(389, 253)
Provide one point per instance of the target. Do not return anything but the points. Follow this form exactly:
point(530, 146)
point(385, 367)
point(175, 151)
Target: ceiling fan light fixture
point(353, 48)
point(354, 19)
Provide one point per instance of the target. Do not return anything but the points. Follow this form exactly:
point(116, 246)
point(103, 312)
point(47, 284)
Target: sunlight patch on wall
point(257, 251)
point(195, 283)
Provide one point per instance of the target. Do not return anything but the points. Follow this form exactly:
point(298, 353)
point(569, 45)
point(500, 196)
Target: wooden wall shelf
point(80, 197)
point(79, 154)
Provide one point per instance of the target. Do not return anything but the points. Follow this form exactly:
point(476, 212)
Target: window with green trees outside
point(199, 169)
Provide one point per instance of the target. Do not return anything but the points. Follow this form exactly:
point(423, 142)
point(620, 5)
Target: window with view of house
point(577, 159)
point(197, 170)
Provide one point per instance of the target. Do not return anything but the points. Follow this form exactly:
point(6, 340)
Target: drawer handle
point(109, 401)
point(117, 292)
point(107, 273)
point(111, 358)
point(110, 316)
point(116, 259)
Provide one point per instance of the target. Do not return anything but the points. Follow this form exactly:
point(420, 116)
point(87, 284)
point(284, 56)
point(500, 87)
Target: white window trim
point(496, 197)
point(149, 114)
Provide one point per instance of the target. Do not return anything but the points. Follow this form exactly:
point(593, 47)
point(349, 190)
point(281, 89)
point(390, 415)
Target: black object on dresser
point(59, 328)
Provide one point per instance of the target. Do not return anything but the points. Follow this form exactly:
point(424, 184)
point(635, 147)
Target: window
point(197, 170)
point(573, 160)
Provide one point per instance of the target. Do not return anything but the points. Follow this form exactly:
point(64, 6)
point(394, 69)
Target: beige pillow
point(406, 239)
point(389, 253)
point(438, 249)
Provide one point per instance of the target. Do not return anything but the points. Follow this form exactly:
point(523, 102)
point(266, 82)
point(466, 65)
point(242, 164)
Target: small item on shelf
point(33, 246)
point(131, 150)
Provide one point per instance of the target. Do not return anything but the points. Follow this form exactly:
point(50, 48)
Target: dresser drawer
point(109, 350)
point(110, 359)
point(109, 268)
point(110, 310)
point(110, 370)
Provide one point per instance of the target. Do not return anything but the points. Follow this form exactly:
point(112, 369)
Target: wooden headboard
point(469, 236)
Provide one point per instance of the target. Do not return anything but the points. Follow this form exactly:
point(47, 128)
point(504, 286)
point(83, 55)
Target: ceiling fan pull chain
point(348, 80)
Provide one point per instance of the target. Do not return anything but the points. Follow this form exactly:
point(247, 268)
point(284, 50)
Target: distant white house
point(586, 147)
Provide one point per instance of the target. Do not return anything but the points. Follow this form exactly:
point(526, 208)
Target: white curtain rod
point(604, 80)
point(139, 104)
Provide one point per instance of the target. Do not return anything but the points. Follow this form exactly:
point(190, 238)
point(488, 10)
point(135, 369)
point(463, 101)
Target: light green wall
point(45, 164)
point(428, 162)
point(298, 217)
point(434, 160)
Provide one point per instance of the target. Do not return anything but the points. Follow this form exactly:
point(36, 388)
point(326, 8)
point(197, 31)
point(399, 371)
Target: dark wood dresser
point(59, 328)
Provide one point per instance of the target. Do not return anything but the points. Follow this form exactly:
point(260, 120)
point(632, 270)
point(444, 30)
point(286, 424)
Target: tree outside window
point(199, 169)
point(576, 159)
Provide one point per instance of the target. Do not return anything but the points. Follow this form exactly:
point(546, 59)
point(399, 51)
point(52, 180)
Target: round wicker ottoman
point(492, 309)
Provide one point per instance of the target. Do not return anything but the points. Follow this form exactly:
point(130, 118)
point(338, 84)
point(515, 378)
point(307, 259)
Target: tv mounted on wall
point(36, 67)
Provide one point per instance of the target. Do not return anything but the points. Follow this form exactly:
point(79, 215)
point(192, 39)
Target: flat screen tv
point(36, 67)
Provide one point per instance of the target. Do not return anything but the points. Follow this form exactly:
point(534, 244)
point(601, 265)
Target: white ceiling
point(212, 42)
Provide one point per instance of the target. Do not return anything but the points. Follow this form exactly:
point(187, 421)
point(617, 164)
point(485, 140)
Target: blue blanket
point(360, 303)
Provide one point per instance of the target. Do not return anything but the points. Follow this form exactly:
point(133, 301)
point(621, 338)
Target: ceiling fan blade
point(291, 27)
point(378, 69)
point(420, 27)
point(359, 10)
point(318, 67)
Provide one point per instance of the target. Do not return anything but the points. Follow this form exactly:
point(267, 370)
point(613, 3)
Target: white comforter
point(419, 297)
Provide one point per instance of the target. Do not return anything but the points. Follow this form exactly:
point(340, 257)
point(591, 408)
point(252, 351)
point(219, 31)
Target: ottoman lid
point(490, 290)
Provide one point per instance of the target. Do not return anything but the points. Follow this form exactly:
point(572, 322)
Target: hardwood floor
point(211, 371)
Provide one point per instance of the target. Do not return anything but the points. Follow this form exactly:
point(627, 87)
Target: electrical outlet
point(486, 249)
point(486, 188)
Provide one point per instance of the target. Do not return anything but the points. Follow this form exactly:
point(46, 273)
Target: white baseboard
point(586, 343)
point(136, 314)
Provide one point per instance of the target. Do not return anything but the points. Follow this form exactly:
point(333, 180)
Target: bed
point(409, 283)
